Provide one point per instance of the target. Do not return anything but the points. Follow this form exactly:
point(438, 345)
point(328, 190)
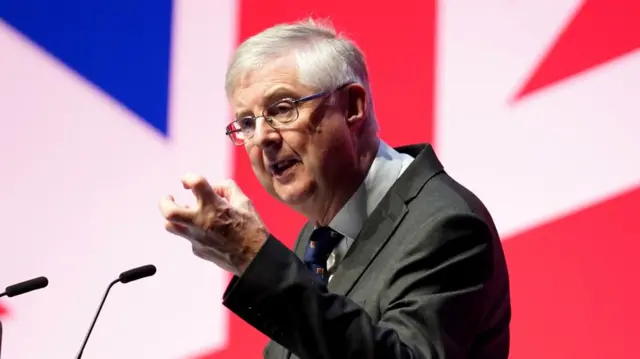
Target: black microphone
point(22, 288)
point(125, 277)
point(25, 287)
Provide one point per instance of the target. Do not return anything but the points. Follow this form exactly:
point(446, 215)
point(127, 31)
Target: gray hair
point(325, 60)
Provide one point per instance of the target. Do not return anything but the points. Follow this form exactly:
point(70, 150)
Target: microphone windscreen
point(137, 273)
point(26, 286)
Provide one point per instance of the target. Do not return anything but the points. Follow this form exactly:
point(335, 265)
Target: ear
point(356, 105)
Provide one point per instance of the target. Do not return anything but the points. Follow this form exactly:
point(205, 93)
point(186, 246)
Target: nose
point(265, 135)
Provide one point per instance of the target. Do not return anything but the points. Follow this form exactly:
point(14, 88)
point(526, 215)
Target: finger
point(200, 188)
point(210, 255)
point(173, 199)
point(177, 229)
point(203, 252)
point(198, 250)
point(174, 213)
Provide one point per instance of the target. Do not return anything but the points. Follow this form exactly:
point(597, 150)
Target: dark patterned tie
point(322, 241)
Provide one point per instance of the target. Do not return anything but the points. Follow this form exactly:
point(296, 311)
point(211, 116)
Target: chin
point(294, 193)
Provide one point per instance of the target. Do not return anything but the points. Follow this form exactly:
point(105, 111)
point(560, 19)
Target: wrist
point(250, 251)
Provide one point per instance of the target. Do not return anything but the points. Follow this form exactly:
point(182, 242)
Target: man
point(397, 259)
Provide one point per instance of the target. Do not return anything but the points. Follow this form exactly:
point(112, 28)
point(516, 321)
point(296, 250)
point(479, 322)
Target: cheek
point(296, 140)
point(255, 157)
point(334, 152)
point(317, 154)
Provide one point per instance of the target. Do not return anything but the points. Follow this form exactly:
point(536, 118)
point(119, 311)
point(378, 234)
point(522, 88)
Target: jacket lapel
point(382, 223)
point(384, 220)
point(375, 233)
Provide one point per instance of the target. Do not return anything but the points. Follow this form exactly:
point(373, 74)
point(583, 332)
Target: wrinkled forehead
point(258, 87)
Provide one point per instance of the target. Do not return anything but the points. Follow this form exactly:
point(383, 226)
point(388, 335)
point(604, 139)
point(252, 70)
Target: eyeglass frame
point(271, 122)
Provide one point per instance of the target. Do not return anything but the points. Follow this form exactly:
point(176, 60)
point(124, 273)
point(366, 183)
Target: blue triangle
point(122, 46)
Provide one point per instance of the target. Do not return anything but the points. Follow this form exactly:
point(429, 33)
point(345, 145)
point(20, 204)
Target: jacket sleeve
point(432, 305)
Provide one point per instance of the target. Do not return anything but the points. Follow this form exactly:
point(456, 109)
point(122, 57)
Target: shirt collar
point(384, 171)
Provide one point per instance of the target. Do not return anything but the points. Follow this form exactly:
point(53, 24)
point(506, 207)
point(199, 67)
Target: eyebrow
point(279, 93)
point(271, 96)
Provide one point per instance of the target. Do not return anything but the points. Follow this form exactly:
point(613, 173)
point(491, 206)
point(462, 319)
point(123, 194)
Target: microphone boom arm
point(95, 318)
point(125, 277)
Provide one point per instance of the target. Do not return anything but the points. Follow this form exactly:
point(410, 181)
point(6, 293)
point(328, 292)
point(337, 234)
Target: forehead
point(278, 78)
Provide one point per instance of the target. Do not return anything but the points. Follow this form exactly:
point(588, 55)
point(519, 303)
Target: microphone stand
point(95, 318)
point(124, 278)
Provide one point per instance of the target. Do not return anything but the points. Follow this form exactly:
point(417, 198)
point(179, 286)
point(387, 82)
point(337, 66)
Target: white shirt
point(386, 168)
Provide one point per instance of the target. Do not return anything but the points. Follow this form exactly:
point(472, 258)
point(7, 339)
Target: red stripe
point(573, 284)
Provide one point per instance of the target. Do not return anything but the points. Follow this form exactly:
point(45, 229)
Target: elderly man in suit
point(397, 259)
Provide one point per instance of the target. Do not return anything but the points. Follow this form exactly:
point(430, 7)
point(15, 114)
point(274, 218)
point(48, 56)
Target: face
point(304, 163)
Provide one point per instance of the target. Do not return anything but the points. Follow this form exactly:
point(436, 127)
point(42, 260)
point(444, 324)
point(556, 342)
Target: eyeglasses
point(279, 113)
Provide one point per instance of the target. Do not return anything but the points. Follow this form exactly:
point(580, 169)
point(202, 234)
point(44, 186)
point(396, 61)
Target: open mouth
point(280, 167)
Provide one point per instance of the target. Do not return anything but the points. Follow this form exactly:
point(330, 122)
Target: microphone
point(22, 288)
point(137, 273)
point(25, 287)
point(124, 277)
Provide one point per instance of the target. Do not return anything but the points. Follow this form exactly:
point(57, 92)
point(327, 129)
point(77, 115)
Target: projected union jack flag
point(105, 104)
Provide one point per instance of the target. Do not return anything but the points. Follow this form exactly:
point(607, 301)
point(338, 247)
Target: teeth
point(282, 165)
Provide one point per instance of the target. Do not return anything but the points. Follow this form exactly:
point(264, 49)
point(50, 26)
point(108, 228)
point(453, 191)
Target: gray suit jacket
point(426, 278)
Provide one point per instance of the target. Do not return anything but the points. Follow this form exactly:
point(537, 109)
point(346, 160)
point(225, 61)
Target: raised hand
point(223, 228)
